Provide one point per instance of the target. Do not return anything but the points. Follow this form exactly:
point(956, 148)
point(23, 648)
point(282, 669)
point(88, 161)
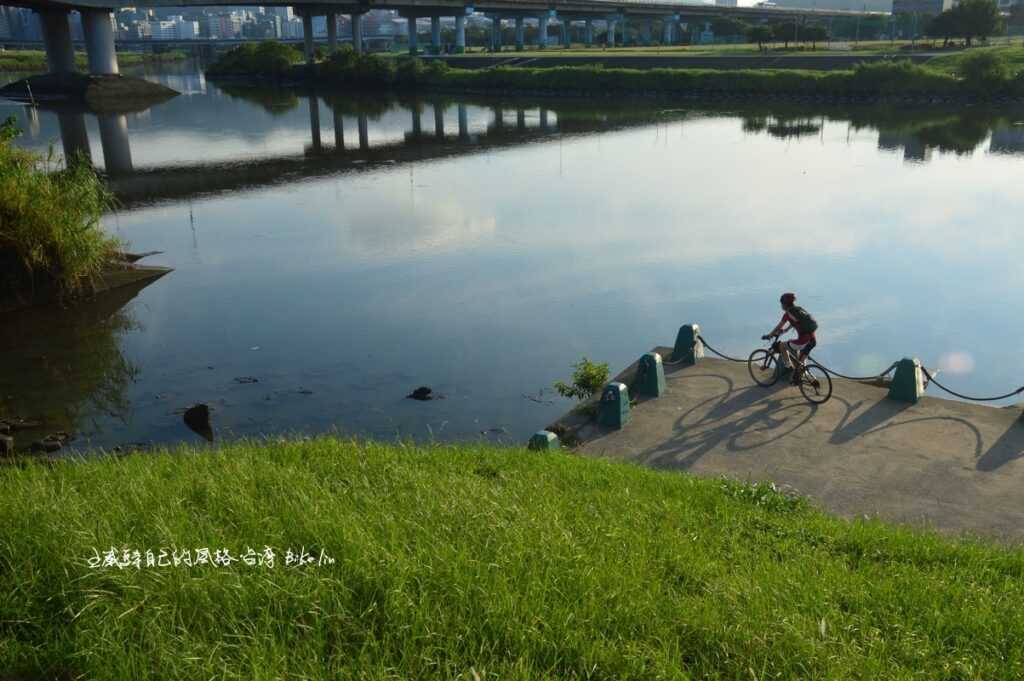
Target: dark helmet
point(788, 299)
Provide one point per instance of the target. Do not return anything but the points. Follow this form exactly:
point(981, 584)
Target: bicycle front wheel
point(763, 367)
point(815, 383)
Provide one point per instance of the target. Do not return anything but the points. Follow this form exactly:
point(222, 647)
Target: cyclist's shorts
point(804, 343)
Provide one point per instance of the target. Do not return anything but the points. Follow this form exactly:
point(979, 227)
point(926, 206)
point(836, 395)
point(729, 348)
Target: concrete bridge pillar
point(520, 31)
point(307, 36)
point(499, 119)
point(543, 119)
point(460, 34)
point(666, 33)
point(496, 33)
point(74, 137)
point(542, 31)
point(520, 120)
point(332, 31)
point(413, 49)
point(117, 150)
point(417, 127)
point(357, 32)
point(364, 136)
point(463, 122)
point(435, 34)
point(314, 123)
point(565, 32)
point(339, 130)
point(625, 31)
point(611, 32)
point(60, 53)
point(438, 122)
point(99, 41)
point(645, 32)
point(588, 33)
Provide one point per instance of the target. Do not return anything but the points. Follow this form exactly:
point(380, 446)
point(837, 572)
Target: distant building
point(726, 3)
point(224, 26)
point(921, 7)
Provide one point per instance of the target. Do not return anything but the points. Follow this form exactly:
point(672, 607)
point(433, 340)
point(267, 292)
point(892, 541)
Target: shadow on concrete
point(766, 424)
point(868, 421)
point(1009, 447)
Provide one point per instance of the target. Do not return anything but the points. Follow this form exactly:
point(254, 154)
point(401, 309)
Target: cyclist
point(800, 319)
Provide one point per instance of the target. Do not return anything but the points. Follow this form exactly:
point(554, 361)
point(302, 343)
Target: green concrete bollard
point(908, 381)
point(650, 376)
point(688, 346)
point(613, 409)
point(544, 440)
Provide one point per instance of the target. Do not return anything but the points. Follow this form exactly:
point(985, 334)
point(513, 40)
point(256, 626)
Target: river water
point(480, 247)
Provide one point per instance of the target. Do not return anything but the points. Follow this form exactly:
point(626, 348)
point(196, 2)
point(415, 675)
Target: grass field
point(35, 60)
point(474, 562)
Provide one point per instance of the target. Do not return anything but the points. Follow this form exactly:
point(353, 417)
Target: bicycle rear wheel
point(815, 383)
point(763, 367)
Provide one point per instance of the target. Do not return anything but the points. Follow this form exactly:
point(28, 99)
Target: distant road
point(825, 62)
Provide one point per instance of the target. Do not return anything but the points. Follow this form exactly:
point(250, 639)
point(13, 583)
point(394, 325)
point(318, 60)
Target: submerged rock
point(422, 393)
point(197, 418)
point(51, 443)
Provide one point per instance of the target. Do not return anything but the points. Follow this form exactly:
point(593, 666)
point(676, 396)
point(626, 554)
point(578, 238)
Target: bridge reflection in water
point(452, 129)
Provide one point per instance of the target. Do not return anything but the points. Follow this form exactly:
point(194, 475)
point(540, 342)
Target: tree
point(759, 35)
point(784, 32)
point(943, 26)
point(978, 18)
point(728, 26)
point(815, 34)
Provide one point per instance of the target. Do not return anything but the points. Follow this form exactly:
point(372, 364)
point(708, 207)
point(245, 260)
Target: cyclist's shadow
point(727, 420)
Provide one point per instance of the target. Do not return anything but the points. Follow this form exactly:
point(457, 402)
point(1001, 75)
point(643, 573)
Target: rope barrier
point(931, 379)
point(722, 355)
point(875, 377)
point(856, 378)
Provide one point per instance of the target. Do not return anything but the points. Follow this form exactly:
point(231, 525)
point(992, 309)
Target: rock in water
point(422, 393)
point(197, 418)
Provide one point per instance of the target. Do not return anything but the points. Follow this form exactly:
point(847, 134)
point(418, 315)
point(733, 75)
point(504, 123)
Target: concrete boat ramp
point(952, 466)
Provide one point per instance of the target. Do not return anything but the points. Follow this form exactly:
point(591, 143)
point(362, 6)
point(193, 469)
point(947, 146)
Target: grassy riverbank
point(981, 74)
point(50, 232)
point(35, 60)
point(476, 562)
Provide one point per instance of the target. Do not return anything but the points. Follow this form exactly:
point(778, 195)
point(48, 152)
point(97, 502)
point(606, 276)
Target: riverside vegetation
point(980, 74)
point(474, 562)
point(50, 231)
point(35, 60)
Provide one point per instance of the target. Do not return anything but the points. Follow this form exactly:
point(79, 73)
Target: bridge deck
point(953, 466)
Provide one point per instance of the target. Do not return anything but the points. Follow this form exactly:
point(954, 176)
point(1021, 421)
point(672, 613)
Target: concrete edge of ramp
point(952, 466)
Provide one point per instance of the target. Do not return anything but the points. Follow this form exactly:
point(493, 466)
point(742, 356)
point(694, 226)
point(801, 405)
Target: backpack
point(805, 321)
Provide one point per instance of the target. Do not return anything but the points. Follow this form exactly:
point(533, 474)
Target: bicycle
point(764, 367)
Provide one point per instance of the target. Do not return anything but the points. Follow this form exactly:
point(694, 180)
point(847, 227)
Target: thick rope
point(722, 355)
point(855, 378)
point(931, 379)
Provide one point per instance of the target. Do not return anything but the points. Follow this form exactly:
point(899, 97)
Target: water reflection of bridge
point(429, 136)
point(342, 141)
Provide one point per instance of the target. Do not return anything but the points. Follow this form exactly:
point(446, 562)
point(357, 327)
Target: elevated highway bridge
point(615, 15)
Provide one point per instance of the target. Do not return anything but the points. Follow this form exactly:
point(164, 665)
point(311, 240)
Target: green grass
point(465, 562)
point(35, 60)
point(50, 231)
point(950, 63)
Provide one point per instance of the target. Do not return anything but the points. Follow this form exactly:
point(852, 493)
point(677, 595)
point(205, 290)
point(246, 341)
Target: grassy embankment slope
point(474, 562)
point(35, 60)
point(987, 73)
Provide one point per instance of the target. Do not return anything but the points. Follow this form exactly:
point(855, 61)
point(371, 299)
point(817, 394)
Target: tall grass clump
point(50, 231)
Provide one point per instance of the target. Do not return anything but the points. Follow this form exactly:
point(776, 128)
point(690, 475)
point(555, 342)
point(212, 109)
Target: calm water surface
point(480, 247)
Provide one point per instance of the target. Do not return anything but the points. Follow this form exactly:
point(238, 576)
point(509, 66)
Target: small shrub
point(985, 71)
point(588, 377)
